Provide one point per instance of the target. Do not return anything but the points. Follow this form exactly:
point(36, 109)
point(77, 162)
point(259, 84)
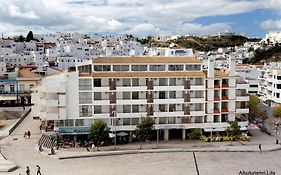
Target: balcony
point(216, 111)
point(224, 109)
point(216, 85)
point(52, 102)
point(224, 97)
point(216, 98)
point(225, 85)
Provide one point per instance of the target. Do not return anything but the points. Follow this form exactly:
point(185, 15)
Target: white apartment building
point(270, 83)
point(272, 38)
point(174, 90)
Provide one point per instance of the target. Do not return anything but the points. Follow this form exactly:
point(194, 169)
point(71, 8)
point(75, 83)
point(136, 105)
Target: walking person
point(28, 134)
point(260, 147)
point(38, 170)
point(27, 171)
point(25, 135)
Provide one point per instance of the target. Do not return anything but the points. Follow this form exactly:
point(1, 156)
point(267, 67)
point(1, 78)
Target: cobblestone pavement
point(22, 152)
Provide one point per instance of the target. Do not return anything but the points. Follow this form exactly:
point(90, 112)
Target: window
point(163, 81)
point(85, 111)
point(135, 95)
point(85, 84)
point(162, 107)
point(254, 85)
point(157, 67)
point(139, 67)
point(135, 82)
point(162, 95)
point(126, 82)
point(135, 108)
point(85, 97)
point(97, 95)
point(126, 121)
point(175, 67)
point(278, 95)
point(97, 82)
point(278, 77)
point(192, 67)
point(198, 81)
point(172, 107)
point(12, 88)
point(172, 81)
point(101, 67)
point(97, 109)
point(126, 109)
point(120, 67)
point(126, 95)
point(278, 86)
point(135, 121)
point(172, 94)
point(2, 89)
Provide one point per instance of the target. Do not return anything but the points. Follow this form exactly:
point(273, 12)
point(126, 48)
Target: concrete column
point(183, 134)
point(166, 134)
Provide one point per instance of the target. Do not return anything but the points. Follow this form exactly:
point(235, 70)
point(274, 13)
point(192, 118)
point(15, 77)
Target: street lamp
point(157, 128)
point(114, 123)
point(211, 132)
point(276, 128)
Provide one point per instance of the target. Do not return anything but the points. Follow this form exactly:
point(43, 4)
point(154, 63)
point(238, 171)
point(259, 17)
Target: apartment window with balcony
point(278, 77)
point(103, 68)
point(85, 84)
point(162, 94)
point(172, 82)
point(171, 120)
point(126, 95)
point(162, 107)
point(199, 81)
point(126, 82)
point(192, 67)
point(135, 95)
point(139, 67)
point(84, 69)
point(135, 108)
point(172, 94)
point(85, 111)
point(135, 82)
point(97, 95)
point(224, 118)
point(97, 109)
point(157, 67)
point(199, 94)
point(172, 107)
point(97, 82)
point(79, 122)
point(68, 122)
point(175, 68)
point(126, 108)
point(277, 95)
point(121, 68)
point(135, 121)
point(278, 86)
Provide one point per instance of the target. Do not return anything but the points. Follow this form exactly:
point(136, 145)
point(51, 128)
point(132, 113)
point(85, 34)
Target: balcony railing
point(224, 97)
point(216, 85)
point(216, 98)
point(225, 85)
point(216, 111)
point(224, 110)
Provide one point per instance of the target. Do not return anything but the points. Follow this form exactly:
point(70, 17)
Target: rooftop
point(28, 74)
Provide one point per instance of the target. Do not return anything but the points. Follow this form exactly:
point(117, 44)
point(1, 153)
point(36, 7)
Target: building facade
point(175, 91)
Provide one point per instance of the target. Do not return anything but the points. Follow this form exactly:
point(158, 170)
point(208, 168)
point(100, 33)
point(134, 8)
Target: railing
point(19, 121)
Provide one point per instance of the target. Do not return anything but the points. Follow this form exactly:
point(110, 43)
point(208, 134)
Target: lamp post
point(157, 128)
point(211, 132)
point(114, 123)
point(276, 134)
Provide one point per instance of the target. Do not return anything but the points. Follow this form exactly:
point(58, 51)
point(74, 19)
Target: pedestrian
point(93, 147)
point(24, 135)
point(28, 134)
point(260, 147)
point(38, 170)
point(27, 171)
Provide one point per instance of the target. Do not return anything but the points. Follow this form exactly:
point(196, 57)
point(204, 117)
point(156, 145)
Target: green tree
point(29, 36)
point(263, 116)
point(233, 130)
point(144, 130)
point(99, 132)
point(253, 102)
point(195, 135)
point(276, 111)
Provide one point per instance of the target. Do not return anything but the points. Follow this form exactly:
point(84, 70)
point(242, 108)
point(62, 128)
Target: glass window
point(172, 81)
point(120, 67)
point(97, 109)
point(162, 107)
point(2, 88)
point(135, 82)
point(172, 94)
point(12, 88)
point(126, 82)
point(85, 97)
point(135, 108)
point(135, 121)
point(85, 84)
point(139, 67)
point(126, 121)
point(85, 111)
point(126, 95)
point(101, 67)
point(162, 95)
point(163, 81)
point(97, 82)
point(175, 67)
point(172, 107)
point(126, 109)
point(135, 95)
point(157, 67)
point(97, 95)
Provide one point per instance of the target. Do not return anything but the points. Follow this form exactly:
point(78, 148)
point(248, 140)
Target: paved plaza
point(22, 152)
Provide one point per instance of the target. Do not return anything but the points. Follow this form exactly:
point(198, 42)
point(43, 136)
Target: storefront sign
point(74, 130)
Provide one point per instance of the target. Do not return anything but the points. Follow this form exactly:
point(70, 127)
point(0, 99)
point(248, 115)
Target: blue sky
point(254, 18)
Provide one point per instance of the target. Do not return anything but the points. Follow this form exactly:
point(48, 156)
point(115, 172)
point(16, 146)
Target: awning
point(7, 97)
point(214, 129)
point(122, 134)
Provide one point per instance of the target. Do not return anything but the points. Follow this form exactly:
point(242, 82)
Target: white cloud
point(121, 16)
point(271, 25)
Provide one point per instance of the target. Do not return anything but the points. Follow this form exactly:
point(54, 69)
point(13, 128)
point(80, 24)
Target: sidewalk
point(66, 154)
